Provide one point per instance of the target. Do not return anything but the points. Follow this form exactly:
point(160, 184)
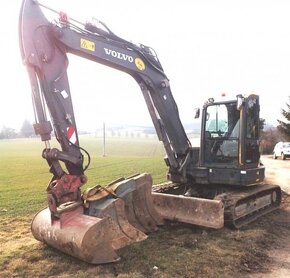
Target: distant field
point(24, 173)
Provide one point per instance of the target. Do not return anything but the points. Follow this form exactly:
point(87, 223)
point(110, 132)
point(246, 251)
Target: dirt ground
point(278, 172)
point(258, 250)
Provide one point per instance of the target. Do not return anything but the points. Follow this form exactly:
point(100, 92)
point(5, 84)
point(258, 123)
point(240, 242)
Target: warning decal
point(88, 45)
point(71, 135)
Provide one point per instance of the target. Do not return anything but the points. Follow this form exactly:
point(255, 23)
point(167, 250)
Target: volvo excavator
point(221, 182)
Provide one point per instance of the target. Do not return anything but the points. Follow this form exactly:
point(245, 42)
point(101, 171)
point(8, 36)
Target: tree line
point(25, 131)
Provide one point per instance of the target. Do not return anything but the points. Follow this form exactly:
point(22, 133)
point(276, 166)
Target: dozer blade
point(191, 210)
point(92, 239)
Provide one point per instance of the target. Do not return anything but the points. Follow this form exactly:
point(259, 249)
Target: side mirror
point(196, 112)
point(240, 101)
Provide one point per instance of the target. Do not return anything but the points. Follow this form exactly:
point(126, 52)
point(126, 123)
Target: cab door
point(250, 154)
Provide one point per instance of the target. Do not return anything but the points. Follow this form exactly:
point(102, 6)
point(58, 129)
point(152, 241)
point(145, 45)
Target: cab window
point(252, 111)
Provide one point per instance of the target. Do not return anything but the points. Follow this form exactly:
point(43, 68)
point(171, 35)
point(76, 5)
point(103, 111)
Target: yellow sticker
point(140, 64)
point(88, 45)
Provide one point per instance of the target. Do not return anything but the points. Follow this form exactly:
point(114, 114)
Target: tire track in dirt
point(278, 172)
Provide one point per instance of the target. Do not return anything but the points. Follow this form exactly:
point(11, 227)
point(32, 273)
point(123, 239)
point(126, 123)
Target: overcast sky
point(206, 47)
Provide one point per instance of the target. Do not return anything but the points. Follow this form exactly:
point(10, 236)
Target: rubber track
point(234, 198)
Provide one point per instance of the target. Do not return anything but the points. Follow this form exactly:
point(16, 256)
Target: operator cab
point(230, 140)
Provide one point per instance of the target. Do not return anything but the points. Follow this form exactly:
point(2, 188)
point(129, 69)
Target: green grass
point(174, 251)
point(24, 173)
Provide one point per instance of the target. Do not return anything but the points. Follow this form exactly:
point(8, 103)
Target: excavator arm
point(44, 48)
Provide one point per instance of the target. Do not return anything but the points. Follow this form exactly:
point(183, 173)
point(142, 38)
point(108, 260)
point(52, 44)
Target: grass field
point(173, 251)
point(25, 173)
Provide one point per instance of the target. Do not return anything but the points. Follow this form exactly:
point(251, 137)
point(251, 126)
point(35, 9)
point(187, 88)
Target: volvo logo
point(119, 55)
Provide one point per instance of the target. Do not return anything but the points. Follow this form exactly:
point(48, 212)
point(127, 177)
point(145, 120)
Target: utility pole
point(104, 139)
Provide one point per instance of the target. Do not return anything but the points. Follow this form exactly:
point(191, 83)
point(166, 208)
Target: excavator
point(219, 183)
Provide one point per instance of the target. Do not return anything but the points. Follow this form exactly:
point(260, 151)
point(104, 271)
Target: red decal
point(70, 132)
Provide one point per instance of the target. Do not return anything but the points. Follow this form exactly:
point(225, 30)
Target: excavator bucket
point(91, 239)
point(139, 207)
point(113, 218)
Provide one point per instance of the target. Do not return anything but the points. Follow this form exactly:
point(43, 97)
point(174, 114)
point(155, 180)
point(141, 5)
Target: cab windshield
point(222, 133)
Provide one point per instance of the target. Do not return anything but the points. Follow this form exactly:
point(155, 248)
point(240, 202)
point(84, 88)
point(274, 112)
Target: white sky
point(206, 47)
